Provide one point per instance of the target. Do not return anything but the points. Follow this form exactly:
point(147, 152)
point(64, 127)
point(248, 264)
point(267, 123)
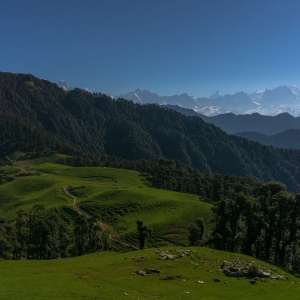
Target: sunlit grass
point(109, 275)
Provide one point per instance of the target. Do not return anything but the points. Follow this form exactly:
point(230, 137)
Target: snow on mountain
point(281, 95)
point(211, 111)
point(271, 101)
point(63, 84)
point(216, 95)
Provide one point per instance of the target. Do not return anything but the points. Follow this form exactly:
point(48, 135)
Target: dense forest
point(36, 114)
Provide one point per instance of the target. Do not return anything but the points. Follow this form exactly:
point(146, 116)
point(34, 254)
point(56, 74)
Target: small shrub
point(253, 270)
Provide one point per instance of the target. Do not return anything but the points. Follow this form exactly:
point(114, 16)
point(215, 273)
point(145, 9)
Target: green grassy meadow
point(110, 275)
point(115, 196)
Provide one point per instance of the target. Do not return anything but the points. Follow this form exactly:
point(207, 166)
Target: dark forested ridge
point(36, 114)
point(286, 139)
point(234, 124)
point(268, 125)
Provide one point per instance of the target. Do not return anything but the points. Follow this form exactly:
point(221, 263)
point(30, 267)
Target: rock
point(144, 272)
point(252, 281)
point(200, 281)
point(226, 282)
point(278, 277)
point(181, 253)
point(216, 280)
point(264, 274)
point(141, 272)
point(171, 277)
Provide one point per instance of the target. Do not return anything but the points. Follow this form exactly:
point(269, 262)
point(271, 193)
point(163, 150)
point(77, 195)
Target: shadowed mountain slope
point(268, 125)
point(287, 139)
point(36, 114)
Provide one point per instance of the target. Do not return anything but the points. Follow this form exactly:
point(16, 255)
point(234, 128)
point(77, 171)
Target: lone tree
point(144, 232)
point(196, 232)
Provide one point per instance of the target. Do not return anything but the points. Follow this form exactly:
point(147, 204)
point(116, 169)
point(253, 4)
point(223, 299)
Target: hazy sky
point(166, 46)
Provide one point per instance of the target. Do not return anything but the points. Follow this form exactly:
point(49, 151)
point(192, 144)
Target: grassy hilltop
point(109, 275)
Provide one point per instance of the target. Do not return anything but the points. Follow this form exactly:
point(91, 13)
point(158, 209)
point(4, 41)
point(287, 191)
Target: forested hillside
point(36, 115)
point(286, 139)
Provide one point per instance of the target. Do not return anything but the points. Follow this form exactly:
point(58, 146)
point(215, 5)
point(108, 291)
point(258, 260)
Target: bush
point(253, 270)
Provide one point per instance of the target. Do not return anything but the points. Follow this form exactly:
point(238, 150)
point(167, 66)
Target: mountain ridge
point(271, 101)
point(95, 124)
point(289, 139)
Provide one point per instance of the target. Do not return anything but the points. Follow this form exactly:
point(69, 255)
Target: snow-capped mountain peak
point(271, 101)
point(138, 90)
point(63, 84)
point(216, 95)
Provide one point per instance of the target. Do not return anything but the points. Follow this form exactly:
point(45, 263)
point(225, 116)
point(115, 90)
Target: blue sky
point(166, 46)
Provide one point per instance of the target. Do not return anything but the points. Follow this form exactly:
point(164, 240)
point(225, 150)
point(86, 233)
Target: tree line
point(264, 224)
point(251, 217)
point(173, 175)
point(42, 234)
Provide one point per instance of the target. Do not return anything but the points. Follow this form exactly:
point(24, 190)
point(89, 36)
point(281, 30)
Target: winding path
point(103, 225)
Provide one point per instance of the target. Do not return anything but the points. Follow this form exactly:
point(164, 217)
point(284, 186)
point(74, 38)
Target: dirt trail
point(17, 164)
point(103, 225)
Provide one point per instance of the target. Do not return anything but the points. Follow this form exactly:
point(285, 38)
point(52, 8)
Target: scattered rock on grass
point(246, 271)
point(171, 277)
point(165, 255)
point(144, 272)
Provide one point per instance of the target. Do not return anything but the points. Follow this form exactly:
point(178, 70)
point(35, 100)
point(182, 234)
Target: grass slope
point(111, 275)
point(115, 196)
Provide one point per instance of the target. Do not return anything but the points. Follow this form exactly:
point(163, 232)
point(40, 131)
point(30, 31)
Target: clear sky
point(166, 46)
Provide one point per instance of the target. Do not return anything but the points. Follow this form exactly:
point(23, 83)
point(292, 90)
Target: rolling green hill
point(116, 197)
point(109, 275)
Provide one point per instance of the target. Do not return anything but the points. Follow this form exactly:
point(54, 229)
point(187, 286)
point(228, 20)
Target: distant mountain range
point(232, 124)
point(271, 101)
point(282, 131)
point(269, 117)
point(287, 139)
